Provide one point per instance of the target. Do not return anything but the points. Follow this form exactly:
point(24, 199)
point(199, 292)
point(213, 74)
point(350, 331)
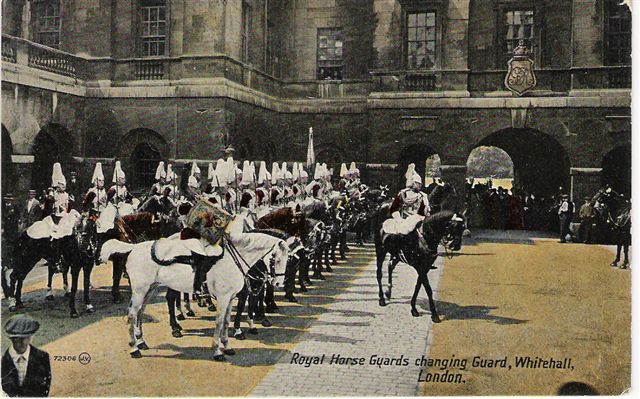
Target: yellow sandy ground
point(546, 300)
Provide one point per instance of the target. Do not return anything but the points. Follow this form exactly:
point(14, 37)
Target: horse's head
point(446, 226)
point(278, 263)
point(454, 231)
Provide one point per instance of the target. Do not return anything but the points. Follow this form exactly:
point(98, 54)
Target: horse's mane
point(439, 219)
point(271, 232)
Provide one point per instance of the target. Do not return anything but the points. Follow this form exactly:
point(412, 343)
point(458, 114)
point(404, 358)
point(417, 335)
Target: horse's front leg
point(392, 265)
point(432, 305)
point(617, 259)
point(65, 277)
point(379, 264)
point(86, 274)
point(187, 304)
point(172, 298)
point(16, 288)
point(224, 304)
point(414, 297)
point(625, 263)
point(242, 300)
point(75, 274)
point(135, 321)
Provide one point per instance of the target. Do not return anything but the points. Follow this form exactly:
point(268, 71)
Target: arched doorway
point(144, 161)
point(8, 177)
point(421, 155)
point(490, 163)
point(540, 163)
point(53, 143)
point(616, 169)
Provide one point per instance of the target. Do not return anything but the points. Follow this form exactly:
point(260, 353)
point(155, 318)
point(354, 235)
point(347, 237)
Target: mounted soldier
point(118, 193)
point(315, 189)
point(95, 200)
point(262, 190)
point(193, 185)
point(161, 174)
point(248, 198)
point(276, 194)
point(170, 189)
point(212, 191)
point(411, 200)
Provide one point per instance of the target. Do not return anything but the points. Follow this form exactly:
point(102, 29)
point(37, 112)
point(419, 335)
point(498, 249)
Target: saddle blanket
point(107, 218)
point(398, 225)
point(46, 228)
point(173, 247)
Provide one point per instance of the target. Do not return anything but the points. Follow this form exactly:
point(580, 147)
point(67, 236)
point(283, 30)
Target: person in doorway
point(565, 214)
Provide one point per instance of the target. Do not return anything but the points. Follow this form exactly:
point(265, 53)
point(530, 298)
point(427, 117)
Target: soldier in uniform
point(193, 185)
point(157, 188)
point(262, 191)
point(170, 189)
point(248, 197)
point(315, 189)
point(95, 200)
point(58, 202)
point(276, 194)
point(411, 200)
point(118, 193)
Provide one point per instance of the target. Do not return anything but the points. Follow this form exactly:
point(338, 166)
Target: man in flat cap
point(26, 370)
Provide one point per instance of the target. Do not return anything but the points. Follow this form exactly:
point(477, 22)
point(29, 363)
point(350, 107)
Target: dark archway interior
point(46, 153)
point(144, 161)
point(616, 169)
point(540, 163)
point(417, 154)
point(7, 165)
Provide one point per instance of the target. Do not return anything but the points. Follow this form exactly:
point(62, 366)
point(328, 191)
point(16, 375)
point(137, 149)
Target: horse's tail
point(113, 247)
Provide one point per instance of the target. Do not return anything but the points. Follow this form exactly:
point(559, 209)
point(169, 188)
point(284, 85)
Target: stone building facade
point(382, 82)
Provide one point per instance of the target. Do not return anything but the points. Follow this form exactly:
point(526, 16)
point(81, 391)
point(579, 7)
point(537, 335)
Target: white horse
point(225, 279)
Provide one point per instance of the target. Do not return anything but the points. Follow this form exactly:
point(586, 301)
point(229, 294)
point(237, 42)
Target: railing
point(419, 82)
point(8, 49)
point(51, 60)
point(149, 70)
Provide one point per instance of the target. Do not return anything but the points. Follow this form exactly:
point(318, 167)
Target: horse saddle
point(167, 251)
point(47, 228)
point(398, 225)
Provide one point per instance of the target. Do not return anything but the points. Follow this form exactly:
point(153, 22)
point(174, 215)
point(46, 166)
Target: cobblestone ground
point(356, 326)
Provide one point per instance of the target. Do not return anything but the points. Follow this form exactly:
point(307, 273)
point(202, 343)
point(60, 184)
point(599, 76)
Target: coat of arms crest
point(520, 76)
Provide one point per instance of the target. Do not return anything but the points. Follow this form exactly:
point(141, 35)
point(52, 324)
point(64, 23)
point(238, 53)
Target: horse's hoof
point(176, 333)
point(201, 303)
point(219, 358)
point(240, 336)
point(303, 289)
point(176, 326)
point(229, 352)
point(382, 302)
point(266, 323)
point(271, 308)
point(415, 313)
point(74, 314)
point(49, 298)
point(191, 313)
point(290, 298)
point(435, 318)
point(624, 266)
point(308, 282)
point(614, 264)
point(143, 346)
point(91, 310)
point(180, 317)
point(211, 308)
point(388, 294)
point(136, 354)
point(253, 331)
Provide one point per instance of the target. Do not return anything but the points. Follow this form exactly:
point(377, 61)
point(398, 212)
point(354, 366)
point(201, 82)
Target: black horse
point(616, 211)
point(64, 251)
point(418, 249)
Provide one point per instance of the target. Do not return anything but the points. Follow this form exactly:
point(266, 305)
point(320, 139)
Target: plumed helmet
point(97, 173)
point(57, 177)
point(160, 172)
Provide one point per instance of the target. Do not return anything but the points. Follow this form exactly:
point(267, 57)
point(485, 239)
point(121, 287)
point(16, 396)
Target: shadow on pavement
point(453, 311)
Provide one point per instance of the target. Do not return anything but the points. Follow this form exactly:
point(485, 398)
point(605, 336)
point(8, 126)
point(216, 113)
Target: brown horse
point(136, 228)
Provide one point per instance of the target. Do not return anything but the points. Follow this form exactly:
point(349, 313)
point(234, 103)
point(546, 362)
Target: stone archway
point(52, 144)
point(417, 154)
point(8, 175)
point(141, 150)
point(616, 169)
point(540, 163)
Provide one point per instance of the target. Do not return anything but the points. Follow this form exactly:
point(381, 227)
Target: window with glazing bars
point(618, 28)
point(421, 40)
point(153, 22)
point(519, 25)
point(330, 61)
point(48, 23)
point(244, 32)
